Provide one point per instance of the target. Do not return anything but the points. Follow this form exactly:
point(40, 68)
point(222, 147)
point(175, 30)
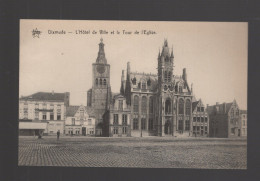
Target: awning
point(32, 125)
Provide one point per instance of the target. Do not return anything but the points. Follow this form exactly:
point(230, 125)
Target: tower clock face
point(101, 69)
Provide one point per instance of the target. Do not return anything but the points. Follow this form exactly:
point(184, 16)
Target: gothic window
point(169, 76)
point(166, 59)
point(165, 87)
point(237, 112)
point(180, 125)
point(135, 126)
point(188, 106)
point(181, 106)
point(100, 81)
point(143, 85)
point(149, 82)
point(144, 105)
point(96, 81)
point(115, 121)
point(168, 106)
point(151, 105)
point(150, 126)
point(187, 125)
point(136, 104)
point(105, 82)
point(143, 121)
point(134, 81)
point(165, 76)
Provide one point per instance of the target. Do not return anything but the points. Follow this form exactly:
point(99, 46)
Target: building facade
point(99, 96)
point(117, 118)
point(79, 121)
point(224, 120)
point(44, 107)
point(200, 122)
point(243, 121)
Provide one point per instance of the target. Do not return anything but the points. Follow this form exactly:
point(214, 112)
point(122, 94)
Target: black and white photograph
point(133, 94)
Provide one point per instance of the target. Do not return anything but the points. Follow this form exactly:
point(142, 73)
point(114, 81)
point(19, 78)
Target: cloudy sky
point(214, 54)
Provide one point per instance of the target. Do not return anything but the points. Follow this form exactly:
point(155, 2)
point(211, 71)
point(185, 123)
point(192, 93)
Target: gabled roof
point(71, 110)
point(45, 96)
point(212, 109)
point(194, 105)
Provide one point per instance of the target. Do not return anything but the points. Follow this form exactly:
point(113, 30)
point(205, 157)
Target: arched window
point(188, 106)
point(151, 104)
point(136, 104)
point(181, 106)
point(169, 76)
point(144, 105)
point(96, 81)
point(168, 106)
point(165, 76)
point(105, 82)
point(100, 81)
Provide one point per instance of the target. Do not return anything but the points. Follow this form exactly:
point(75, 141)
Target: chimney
point(184, 74)
point(128, 68)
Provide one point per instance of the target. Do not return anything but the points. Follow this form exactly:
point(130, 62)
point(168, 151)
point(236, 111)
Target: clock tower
point(101, 90)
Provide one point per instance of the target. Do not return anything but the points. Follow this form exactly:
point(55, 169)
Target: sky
point(215, 55)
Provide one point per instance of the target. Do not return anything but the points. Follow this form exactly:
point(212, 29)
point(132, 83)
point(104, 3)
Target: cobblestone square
point(150, 152)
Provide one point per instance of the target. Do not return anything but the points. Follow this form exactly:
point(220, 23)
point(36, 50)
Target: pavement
point(149, 152)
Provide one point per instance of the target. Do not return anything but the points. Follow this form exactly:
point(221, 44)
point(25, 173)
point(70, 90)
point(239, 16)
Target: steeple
point(122, 89)
point(101, 53)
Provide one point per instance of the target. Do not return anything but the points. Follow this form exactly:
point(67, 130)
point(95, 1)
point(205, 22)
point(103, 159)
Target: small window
point(51, 116)
point(124, 130)
point(105, 82)
point(44, 116)
point(58, 116)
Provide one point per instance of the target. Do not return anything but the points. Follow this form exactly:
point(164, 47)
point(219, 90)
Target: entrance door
point(84, 131)
point(167, 127)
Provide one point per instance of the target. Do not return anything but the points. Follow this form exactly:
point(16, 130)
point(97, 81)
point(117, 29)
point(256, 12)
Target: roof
point(139, 77)
point(45, 96)
point(211, 109)
point(243, 111)
point(194, 104)
point(71, 110)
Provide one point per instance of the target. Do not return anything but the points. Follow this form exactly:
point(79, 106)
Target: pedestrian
point(58, 134)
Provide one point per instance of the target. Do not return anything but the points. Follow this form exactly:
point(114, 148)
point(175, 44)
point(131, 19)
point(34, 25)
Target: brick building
point(224, 120)
point(43, 107)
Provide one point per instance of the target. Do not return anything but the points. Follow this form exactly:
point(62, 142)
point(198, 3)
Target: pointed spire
point(159, 53)
point(101, 53)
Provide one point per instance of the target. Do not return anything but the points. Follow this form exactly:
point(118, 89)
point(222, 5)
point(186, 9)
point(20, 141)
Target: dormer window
point(149, 82)
point(143, 85)
point(180, 89)
point(134, 81)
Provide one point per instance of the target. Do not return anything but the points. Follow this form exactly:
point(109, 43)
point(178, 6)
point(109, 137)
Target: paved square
point(152, 152)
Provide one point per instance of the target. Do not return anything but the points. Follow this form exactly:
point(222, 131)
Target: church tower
point(101, 89)
point(165, 96)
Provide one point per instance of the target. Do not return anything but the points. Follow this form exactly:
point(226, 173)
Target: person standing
point(58, 134)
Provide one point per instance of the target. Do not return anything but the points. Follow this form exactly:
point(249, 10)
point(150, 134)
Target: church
point(148, 104)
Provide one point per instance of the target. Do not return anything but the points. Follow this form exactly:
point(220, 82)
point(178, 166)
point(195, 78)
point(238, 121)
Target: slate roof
point(139, 77)
point(211, 109)
point(45, 96)
point(71, 110)
point(194, 104)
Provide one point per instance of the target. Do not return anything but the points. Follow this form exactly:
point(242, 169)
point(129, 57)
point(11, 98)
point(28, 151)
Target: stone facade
point(117, 118)
point(100, 95)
